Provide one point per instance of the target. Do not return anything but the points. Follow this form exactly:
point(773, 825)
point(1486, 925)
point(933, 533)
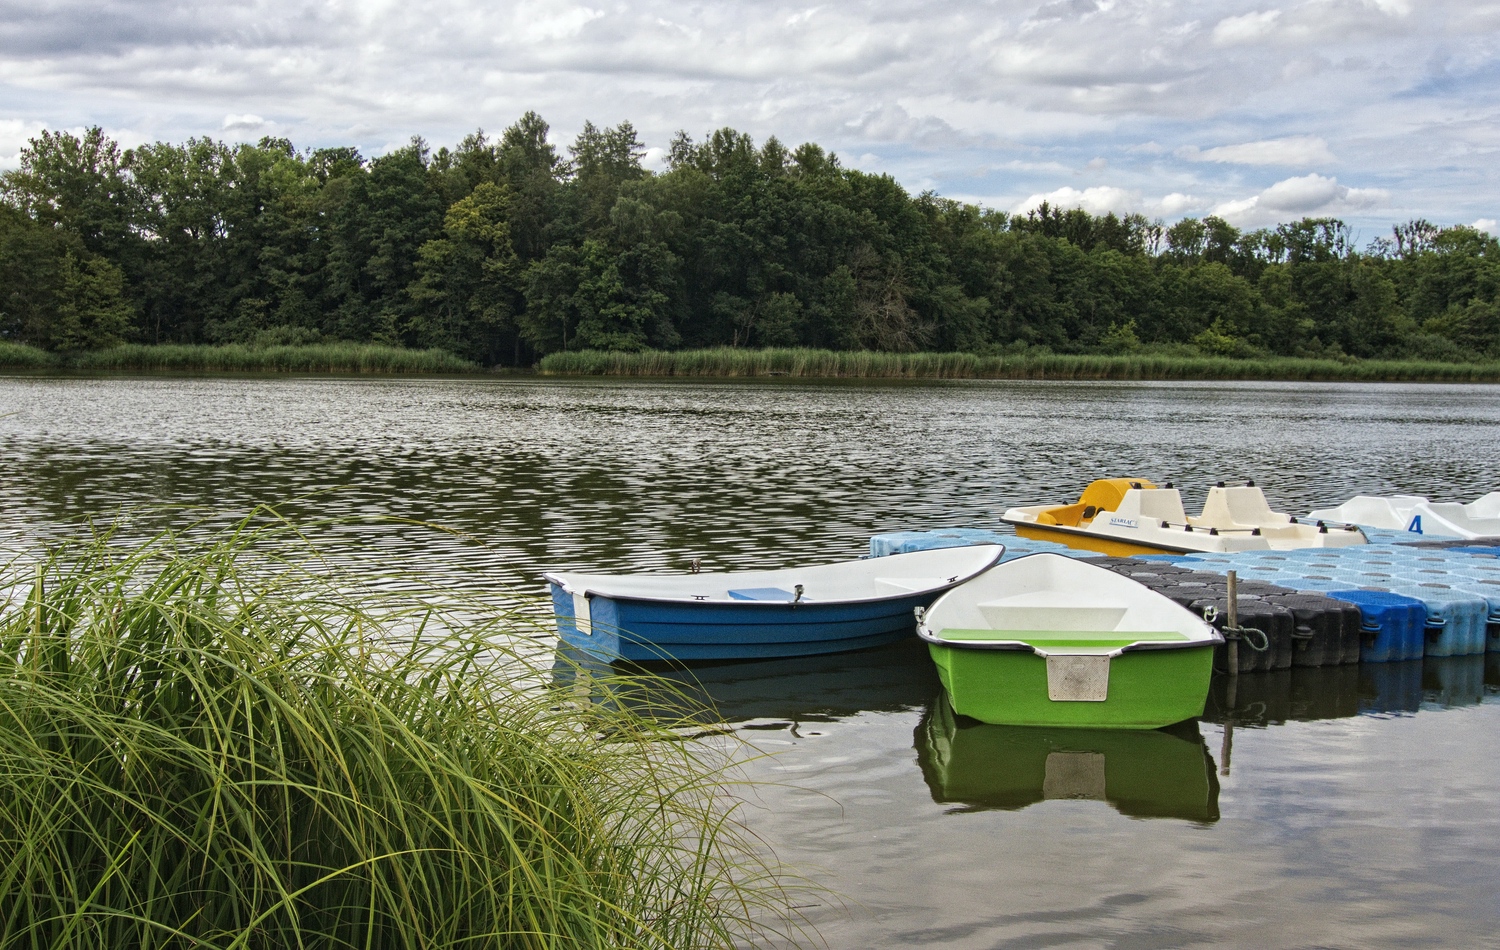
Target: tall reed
point(21, 356)
point(727, 362)
point(302, 358)
point(213, 744)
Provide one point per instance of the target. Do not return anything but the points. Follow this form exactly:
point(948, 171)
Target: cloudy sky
point(1376, 111)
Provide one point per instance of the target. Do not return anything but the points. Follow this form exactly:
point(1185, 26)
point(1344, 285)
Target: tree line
point(503, 249)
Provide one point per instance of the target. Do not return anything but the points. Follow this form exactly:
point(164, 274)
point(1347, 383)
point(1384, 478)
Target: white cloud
point(541, 21)
point(1101, 199)
point(1106, 199)
point(1035, 91)
point(1302, 195)
point(1178, 204)
point(890, 122)
point(1292, 150)
point(14, 134)
point(1308, 195)
point(655, 159)
point(1487, 225)
point(245, 122)
point(1246, 28)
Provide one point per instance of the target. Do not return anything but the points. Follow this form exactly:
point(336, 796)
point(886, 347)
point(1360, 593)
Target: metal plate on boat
point(581, 618)
point(1074, 775)
point(1078, 679)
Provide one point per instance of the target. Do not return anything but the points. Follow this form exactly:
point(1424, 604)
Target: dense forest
point(503, 249)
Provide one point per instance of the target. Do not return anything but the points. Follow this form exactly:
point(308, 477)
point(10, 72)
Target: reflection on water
point(1159, 773)
point(1362, 808)
point(1305, 694)
point(611, 475)
point(759, 699)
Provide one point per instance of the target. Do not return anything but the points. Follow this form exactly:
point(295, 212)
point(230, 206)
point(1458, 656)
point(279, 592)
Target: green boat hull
point(1147, 689)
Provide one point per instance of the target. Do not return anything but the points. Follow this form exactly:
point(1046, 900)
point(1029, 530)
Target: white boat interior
point(865, 579)
point(1060, 606)
point(1415, 513)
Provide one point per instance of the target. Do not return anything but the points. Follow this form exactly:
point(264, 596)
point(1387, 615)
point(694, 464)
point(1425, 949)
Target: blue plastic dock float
point(1393, 625)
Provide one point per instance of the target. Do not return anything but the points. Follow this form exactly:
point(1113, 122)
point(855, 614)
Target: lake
point(1357, 807)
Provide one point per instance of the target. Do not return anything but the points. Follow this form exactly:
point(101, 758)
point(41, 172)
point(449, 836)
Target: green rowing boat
point(1048, 640)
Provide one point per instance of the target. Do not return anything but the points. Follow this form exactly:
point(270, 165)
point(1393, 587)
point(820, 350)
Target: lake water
point(1351, 808)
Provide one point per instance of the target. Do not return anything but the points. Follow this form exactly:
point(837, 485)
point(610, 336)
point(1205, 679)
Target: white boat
point(1418, 515)
point(798, 611)
point(1125, 516)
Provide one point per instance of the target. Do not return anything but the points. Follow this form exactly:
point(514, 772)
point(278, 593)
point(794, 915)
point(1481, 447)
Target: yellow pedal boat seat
point(1103, 494)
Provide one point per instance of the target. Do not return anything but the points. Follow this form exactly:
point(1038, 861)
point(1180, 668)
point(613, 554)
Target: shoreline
point(728, 363)
point(828, 364)
point(332, 358)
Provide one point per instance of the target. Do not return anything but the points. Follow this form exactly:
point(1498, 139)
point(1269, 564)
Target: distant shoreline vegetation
point(505, 250)
point(828, 364)
point(728, 362)
point(240, 358)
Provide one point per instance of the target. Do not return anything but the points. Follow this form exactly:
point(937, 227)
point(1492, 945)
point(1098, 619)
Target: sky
point(1374, 111)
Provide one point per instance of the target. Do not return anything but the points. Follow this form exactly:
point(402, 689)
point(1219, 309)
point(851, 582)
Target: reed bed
point(304, 358)
point(726, 362)
point(210, 744)
point(21, 356)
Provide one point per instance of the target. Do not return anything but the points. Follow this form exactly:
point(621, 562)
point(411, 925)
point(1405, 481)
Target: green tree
point(468, 285)
point(92, 312)
point(593, 298)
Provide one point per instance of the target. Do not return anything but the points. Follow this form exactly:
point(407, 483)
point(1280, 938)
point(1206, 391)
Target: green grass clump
point(21, 356)
point(211, 744)
point(727, 362)
point(302, 358)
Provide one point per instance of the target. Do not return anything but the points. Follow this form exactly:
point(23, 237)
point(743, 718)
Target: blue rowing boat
point(825, 608)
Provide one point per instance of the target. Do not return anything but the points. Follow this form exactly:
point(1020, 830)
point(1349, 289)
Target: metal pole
point(1232, 642)
point(1234, 624)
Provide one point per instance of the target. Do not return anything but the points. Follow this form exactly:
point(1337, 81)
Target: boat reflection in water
point(1160, 773)
point(767, 693)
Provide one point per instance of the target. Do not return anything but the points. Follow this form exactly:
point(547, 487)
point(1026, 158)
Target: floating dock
point(1398, 598)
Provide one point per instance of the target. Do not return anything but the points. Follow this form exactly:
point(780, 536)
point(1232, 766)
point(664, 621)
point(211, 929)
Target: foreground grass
point(209, 745)
point(726, 362)
point(237, 358)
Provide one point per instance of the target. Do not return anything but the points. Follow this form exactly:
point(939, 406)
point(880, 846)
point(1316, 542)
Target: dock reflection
point(1304, 694)
point(901, 677)
point(1160, 773)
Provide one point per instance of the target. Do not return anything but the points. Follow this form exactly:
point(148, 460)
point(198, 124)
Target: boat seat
point(1081, 642)
point(1485, 506)
point(1014, 616)
point(1155, 504)
point(1068, 515)
point(907, 584)
point(763, 593)
point(1238, 505)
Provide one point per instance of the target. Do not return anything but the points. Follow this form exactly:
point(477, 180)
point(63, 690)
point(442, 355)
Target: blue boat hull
point(644, 630)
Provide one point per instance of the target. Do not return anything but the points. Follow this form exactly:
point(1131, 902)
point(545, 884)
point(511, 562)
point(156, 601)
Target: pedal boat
point(1048, 640)
point(1414, 513)
point(826, 608)
point(1125, 516)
